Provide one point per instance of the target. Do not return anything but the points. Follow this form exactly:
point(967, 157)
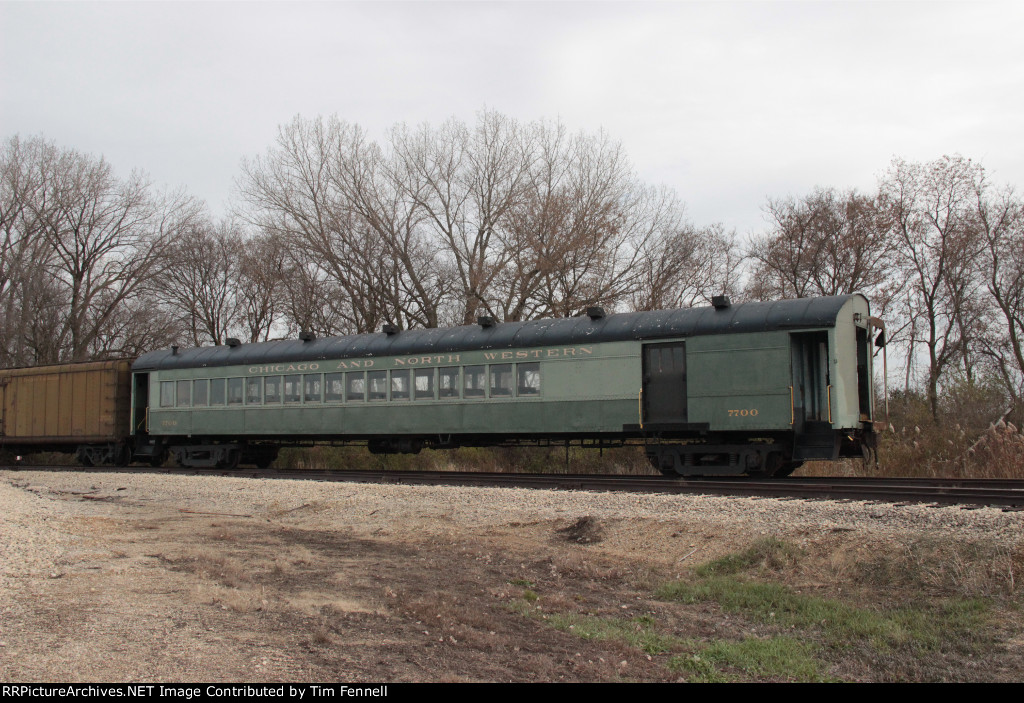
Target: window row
point(482, 381)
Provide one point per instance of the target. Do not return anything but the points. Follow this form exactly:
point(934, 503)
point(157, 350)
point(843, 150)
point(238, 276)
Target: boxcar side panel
point(66, 404)
point(65, 399)
point(52, 409)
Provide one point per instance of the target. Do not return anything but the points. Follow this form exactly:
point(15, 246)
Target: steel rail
point(1005, 493)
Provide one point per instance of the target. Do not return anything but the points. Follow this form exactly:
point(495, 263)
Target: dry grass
point(942, 569)
point(216, 566)
point(244, 601)
point(998, 453)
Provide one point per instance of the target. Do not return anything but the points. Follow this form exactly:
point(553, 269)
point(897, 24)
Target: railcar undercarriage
point(707, 455)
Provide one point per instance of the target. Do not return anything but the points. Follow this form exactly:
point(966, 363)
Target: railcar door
point(810, 379)
point(140, 404)
point(864, 376)
point(664, 376)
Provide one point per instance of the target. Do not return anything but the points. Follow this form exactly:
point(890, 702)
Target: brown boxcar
point(65, 407)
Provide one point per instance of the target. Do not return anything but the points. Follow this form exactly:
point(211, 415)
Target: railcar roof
point(686, 322)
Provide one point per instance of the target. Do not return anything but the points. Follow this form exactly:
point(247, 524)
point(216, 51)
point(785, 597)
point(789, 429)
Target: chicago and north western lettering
point(427, 360)
point(432, 360)
point(284, 368)
point(537, 353)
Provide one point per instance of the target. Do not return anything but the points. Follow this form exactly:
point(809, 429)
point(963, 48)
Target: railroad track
point(1004, 493)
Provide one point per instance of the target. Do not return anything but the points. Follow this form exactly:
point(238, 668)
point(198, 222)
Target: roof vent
point(307, 336)
point(233, 342)
point(389, 329)
point(174, 350)
point(486, 321)
point(721, 302)
point(595, 313)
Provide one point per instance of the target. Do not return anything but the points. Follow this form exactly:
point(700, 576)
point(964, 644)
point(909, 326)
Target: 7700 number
point(743, 413)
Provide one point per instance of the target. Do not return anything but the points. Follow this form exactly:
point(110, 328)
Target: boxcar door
point(664, 391)
point(3, 406)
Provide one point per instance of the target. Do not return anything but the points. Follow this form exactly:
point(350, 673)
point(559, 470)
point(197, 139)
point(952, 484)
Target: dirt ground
point(294, 590)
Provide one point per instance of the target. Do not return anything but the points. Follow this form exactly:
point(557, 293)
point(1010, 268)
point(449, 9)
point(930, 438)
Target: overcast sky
point(726, 102)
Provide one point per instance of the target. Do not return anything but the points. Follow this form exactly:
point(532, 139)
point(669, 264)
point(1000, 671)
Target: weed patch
point(639, 632)
point(966, 569)
point(768, 553)
point(775, 658)
point(926, 629)
point(717, 661)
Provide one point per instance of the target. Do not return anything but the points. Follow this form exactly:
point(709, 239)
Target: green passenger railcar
point(755, 388)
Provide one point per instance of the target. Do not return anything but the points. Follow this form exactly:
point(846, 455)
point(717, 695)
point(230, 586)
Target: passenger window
point(217, 391)
point(254, 390)
point(235, 387)
point(448, 382)
point(377, 382)
point(400, 385)
point(311, 387)
point(475, 382)
point(528, 382)
point(356, 386)
point(292, 392)
point(501, 380)
point(166, 394)
point(184, 399)
point(334, 383)
point(273, 389)
point(201, 394)
point(423, 384)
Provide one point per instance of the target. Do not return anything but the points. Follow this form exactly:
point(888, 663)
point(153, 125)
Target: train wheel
point(656, 462)
point(231, 460)
point(770, 466)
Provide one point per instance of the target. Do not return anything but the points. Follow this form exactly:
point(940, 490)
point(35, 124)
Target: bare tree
point(141, 324)
point(312, 193)
point(410, 289)
point(29, 299)
point(259, 284)
point(826, 243)
point(442, 224)
point(1001, 223)
point(312, 300)
point(931, 215)
point(108, 237)
point(688, 266)
point(200, 281)
point(466, 181)
point(81, 243)
point(585, 231)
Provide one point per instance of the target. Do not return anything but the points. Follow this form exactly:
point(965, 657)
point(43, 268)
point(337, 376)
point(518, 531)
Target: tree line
point(332, 233)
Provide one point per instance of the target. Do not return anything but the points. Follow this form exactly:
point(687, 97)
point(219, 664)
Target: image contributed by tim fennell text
point(164, 691)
